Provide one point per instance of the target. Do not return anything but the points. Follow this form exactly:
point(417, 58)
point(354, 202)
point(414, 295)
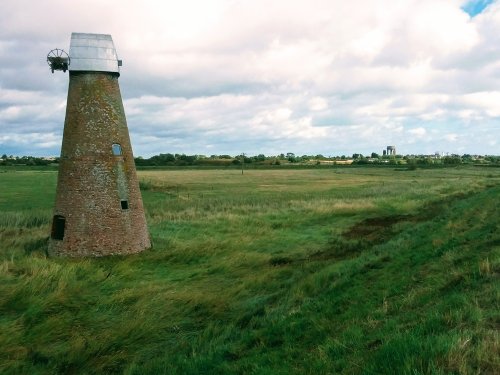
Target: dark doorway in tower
point(58, 224)
point(124, 205)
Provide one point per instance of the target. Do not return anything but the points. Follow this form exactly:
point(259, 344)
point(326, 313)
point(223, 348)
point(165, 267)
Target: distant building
point(391, 150)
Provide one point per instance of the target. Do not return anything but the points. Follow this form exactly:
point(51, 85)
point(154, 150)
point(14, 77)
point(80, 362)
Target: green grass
point(316, 271)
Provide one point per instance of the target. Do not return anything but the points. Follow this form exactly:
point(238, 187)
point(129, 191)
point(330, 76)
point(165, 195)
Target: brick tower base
point(98, 209)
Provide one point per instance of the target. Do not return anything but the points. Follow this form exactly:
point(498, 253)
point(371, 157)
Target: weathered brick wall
point(92, 181)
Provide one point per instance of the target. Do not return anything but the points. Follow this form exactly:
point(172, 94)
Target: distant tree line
point(168, 159)
point(291, 158)
point(226, 160)
point(26, 160)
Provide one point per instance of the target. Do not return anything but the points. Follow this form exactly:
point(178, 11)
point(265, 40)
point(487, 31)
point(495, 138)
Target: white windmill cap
point(93, 53)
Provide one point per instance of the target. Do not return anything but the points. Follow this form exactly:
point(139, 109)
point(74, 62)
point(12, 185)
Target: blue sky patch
point(475, 7)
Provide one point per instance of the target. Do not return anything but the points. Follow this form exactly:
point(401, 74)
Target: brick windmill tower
point(98, 209)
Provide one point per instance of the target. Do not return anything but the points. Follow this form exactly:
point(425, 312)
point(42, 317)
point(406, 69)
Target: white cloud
point(451, 137)
point(318, 103)
point(308, 76)
point(32, 140)
point(484, 101)
point(418, 132)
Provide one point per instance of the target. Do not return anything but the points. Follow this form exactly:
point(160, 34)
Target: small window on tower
point(124, 205)
point(117, 149)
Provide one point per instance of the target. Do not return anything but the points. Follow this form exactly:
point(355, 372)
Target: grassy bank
point(352, 270)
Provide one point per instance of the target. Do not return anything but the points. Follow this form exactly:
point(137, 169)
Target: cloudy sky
point(266, 76)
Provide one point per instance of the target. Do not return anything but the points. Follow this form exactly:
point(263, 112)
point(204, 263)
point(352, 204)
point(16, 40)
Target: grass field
point(318, 271)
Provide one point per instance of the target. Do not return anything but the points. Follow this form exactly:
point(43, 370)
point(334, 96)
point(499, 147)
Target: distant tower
point(391, 150)
point(98, 209)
